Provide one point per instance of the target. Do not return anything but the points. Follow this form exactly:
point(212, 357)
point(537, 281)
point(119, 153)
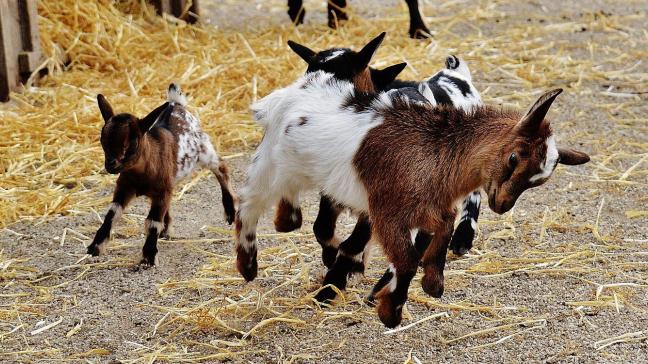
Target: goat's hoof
point(96, 249)
point(432, 286)
point(149, 261)
point(326, 295)
point(389, 313)
point(246, 263)
point(420, 32)
point(230, 216)
point(462, 238)
point(371, 300)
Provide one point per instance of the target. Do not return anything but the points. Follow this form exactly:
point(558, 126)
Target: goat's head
point(346, 64)
point(528, 157)
point(121, 135)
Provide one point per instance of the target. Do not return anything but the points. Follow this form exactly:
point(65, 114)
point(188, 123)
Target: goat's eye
point(513, 160)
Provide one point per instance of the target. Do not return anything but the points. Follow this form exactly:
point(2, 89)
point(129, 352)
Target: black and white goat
point(406, 165)
point(151, 155)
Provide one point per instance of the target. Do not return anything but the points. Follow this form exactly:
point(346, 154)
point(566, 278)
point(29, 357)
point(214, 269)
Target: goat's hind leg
point(121, 197)
point(289, 215)
point(324, 229)
point(216, 164)
point(349, 260)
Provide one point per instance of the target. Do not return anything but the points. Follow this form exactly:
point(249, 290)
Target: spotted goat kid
point(151, 155)
point(406, 164)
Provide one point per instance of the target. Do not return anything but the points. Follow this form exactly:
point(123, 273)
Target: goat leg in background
point(417, 28)
point(296, 11)
point(336, 12)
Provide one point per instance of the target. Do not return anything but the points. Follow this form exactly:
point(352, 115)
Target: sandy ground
point(548, 282)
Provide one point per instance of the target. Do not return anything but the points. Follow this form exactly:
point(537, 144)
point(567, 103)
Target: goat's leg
point(464, 234)
point(434, 258)
point(396, 241)
point(168, 230)
point(247, 219)
point(289, 215)
point(324, 229)
point(296, 11)
point(219, 169)
point(417, 28)
point(336, 12)
point(154, 225)
point(349, 260)
point(421, 242)
point(121, 197)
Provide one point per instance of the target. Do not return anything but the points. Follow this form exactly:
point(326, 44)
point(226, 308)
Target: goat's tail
point(268, 110)
point(175, 95)
point(459, 65)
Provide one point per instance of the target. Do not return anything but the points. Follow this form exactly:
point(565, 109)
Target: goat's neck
point(480, 139)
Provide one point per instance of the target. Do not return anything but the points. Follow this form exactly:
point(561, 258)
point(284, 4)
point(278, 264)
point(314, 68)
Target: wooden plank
point(20, 49)
point(10, 45)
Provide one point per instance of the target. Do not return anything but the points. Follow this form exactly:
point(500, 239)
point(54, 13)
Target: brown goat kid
point(151, 155)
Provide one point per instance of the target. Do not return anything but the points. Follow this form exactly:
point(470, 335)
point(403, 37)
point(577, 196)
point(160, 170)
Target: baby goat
point(151, 155)
point(405, 164)
point(451, 86)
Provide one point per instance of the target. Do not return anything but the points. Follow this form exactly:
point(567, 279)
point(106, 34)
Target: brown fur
point(283, 221)
point(362, 81)
point(421, 161)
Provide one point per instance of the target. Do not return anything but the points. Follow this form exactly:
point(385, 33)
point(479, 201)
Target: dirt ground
point(556, 280)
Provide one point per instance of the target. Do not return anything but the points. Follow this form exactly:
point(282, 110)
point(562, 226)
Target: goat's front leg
point(168, 230)
point(349, 259)
point(396, 241)
point(464, 234)
point(121, 197)
point(336, 12)
point(417, 28)
point(324, 229)
point(421, 242)
point(434, 258)
point(220, 170)
point(154, 225)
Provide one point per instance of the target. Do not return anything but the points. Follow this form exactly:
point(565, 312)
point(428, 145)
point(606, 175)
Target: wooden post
point(20, 49)
point(176, 8)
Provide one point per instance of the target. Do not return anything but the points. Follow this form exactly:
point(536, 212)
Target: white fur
point(549, 164)
point(335, 54)
point(194, 146)
point(413, 233)
point(150, 224)
point(393, 281)
point(175, 95)
point(117, 209)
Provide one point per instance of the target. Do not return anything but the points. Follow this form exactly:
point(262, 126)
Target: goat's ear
point(530, 122)
point(382, 78)
point(148, 121)
point(304, 52)
point(105, 108)
point(572, 157)
point(365, 54)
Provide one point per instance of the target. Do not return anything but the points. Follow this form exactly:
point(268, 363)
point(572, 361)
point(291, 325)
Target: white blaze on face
point(550, 161)
point(335, 54)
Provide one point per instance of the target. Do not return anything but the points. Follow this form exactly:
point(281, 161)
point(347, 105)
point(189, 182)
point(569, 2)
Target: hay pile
point(52, 163)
